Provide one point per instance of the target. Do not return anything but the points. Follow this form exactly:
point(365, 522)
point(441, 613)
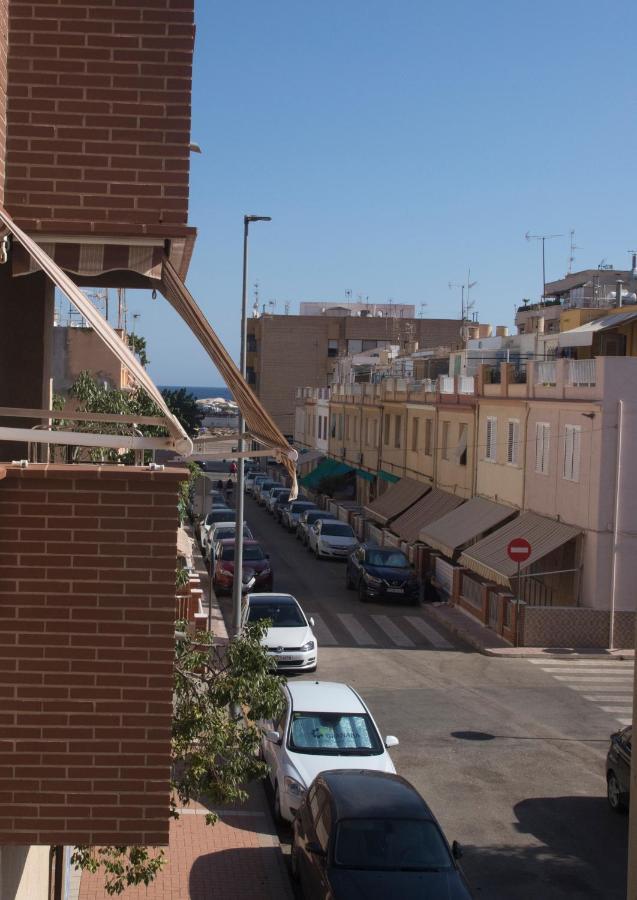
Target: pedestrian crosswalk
point(375, 630)
point(606, 683)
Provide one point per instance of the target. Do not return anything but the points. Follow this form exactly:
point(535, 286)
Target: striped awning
point(432, 506)
point(396, 499)
point(489, 557)
point(464, 524)
point(90, 259)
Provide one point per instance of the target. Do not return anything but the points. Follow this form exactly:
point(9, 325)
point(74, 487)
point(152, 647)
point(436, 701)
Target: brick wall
point(87, 606)
point(98, 118)
point(4, 33)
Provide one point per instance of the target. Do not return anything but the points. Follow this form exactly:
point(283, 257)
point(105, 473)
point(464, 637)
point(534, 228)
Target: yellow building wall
point(450, 474)
point(501, 481)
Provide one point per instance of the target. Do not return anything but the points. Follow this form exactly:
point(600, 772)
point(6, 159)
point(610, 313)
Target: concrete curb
point(467, 633)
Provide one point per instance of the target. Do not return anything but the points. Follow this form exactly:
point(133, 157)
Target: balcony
point(582, 372)
point(447, 384)
point(546, 373)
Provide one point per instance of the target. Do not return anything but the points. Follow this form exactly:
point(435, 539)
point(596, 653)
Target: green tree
point(184, 407)
point(214, 753)
point(138, 346)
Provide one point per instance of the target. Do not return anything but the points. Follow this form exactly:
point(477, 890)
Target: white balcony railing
point(582, 372)
point(466, 384)
point(447, 384)
point(546, 372)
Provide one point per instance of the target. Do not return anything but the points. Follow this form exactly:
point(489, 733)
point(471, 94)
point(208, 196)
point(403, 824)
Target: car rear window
point(399, 845)
point(337, 530)
point(255, 554)
point(390, 559)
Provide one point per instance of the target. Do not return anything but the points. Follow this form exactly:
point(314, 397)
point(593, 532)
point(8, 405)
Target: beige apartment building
point(286, 352)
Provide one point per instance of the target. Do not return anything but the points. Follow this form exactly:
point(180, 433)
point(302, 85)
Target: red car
point(254, 559)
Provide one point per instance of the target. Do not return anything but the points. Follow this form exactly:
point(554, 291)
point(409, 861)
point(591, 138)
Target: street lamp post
point(238, 545)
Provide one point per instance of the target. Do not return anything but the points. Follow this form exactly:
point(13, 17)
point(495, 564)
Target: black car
point(381, 572)
point(618, 769)
point(360, 833)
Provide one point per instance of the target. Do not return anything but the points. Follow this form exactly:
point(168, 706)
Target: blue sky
point(394, 145)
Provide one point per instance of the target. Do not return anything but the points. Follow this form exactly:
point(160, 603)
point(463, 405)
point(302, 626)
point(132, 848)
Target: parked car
point(371, 834)
point(281, 499)
point(218, 513)
point(273, 494)
point(381, 572)
point(307, 518)
point(216, 497)
point(334, 540)
point(291, 513)
point(224, 531)
point(618, 769)
point(325, 725)
point(254, 559)
point(258, 479)
point(262, 487)
point(290, 639)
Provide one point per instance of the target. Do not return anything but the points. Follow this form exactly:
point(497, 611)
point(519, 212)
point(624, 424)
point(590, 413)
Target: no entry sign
point(519, 550)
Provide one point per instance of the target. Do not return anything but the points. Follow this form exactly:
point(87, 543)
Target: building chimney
point(634, 272)
point(618, 292)
point(501, 330)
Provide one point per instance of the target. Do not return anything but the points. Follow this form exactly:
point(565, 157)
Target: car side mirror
point(273, 736)
point(456, 850)
point(391, 741)
point(311, 621)
point(315, 849)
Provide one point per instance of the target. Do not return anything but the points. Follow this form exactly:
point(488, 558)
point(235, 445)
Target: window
point(429, 423)
point(387, 427)
point(354, 346)
point(414, 433)
point(367, 432)
point(370, 345)
point(542, 441)
point(332, 348)
point(340, 426)
point(513, 442)
point(333, 428)
point(398, 424)
point(572, 441)
point(375, 433)
point(445, 440)
point(491, 448)
point(461, 449)
point(355, 427)
point(391, 844)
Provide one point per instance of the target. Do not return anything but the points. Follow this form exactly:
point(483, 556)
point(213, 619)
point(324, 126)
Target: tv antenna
point(544, 238)
point(421, 314)
point(272, 305)
point(573, 248)
point(465, 308)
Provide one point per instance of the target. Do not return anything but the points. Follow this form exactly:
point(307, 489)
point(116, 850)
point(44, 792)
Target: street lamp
point(238, 540)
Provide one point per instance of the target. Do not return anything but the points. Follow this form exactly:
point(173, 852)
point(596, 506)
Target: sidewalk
point(481, 638)
point(239, 858)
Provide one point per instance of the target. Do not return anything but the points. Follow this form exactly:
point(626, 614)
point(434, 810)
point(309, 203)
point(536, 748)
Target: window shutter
point(492, 438)
point(546, 435)
point(577, 437)
point(542, 436)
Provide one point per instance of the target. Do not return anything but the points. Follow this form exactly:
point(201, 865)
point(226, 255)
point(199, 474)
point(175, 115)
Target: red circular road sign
point(519, 550)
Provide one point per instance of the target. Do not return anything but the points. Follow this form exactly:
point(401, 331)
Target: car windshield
point(389, 559)
point(221, 515)
point(399, 845)
point(253, 553)
point(282, 615)
point(334, 734)
point(337, 530)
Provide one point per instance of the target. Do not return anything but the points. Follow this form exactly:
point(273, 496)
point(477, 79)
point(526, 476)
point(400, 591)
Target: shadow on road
point(581, 852)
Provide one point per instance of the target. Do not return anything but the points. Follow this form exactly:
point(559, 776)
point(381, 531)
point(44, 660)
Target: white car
point(325, 725)
point(335, 540)
point(222, 531)
point(291, 513)
point(248, 482)
point(290, 639)
point(276, 495)
point(216, 514)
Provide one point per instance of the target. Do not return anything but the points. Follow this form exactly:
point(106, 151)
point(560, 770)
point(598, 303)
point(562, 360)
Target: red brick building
point(94, 165)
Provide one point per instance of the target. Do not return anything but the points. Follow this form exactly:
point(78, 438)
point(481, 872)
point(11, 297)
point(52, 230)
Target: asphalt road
point(509, 756)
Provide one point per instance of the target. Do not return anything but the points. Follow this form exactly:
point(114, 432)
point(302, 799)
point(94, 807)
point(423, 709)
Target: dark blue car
point(381, 572)
point(364, 834)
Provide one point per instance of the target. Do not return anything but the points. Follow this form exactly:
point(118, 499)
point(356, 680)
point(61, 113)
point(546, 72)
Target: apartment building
point(286, 352)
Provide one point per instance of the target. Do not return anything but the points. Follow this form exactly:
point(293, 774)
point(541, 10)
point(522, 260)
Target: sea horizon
point(198, 391)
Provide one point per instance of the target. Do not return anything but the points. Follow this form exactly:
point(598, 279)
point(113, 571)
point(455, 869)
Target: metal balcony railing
point(582, 372)
point(466, 384)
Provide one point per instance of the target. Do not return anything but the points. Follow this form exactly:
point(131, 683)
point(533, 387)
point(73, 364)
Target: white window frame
point(572, 452)
point(446, 427)
point(513, 442)
point(542, 447)
point(429, 430)
point(491, 443)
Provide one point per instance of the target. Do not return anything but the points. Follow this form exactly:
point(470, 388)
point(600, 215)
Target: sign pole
point(517, 611)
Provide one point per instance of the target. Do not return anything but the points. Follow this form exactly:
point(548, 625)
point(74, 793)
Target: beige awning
point(433, 506)
point(111, 339)
point(396, 499)
point(583, 335)
point(465, 524)
point(258, 423)
point(489, 557)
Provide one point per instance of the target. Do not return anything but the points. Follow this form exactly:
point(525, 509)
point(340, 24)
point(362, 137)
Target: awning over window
point(432, 506)
point(465, 524)
point(180, 440)
point(258, 423)
point(387, 476)
point(489, 557)
point(396, 499)
point(329, 468)
point(584, 334)
point(94, 258)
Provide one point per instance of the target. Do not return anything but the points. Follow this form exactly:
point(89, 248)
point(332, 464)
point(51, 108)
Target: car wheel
point(278, 818)
point(613, 792)
point(362, 592)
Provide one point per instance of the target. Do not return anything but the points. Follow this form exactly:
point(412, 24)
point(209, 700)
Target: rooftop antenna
point(469, 306)
point(422, 310)
point(287, 308)
point(573, 248)
point(348, 297)
point(272, 305)
point(544, 238)
point(634, 263)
